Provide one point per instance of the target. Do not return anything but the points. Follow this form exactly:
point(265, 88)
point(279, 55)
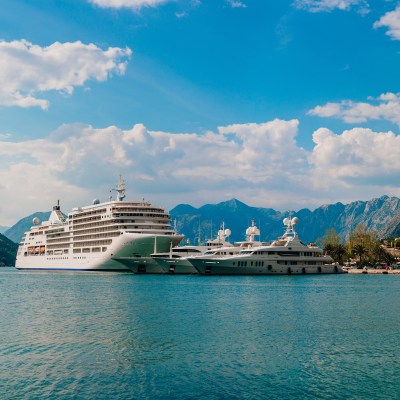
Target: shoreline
point(373, 271)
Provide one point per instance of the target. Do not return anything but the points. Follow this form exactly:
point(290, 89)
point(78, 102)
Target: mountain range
point(380, 214)
point(8, 251)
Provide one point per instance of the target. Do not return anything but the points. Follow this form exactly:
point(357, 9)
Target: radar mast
point(120, 189)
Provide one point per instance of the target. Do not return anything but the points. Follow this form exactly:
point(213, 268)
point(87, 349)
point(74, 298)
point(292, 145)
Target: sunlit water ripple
point(123, 336)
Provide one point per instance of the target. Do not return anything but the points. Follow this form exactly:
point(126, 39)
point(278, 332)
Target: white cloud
point(260, 164)
point(78, 162)
point(236, 4)
point(330, 5)
point(391, 20)
point(357, 157)
point(385, 107)
point(27, 69)
point(133, 4)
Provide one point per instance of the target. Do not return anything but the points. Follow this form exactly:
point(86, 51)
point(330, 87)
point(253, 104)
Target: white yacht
point(102, 236)
point(285, 256)
point(175, 261)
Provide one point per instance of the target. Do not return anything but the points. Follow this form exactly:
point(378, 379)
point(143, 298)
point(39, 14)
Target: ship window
point(66, 251)
point(77, 250)
point(86, 250)
point(96, 249)
point(104, 249)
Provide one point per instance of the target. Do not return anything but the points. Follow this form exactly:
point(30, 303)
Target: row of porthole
point(256, 264)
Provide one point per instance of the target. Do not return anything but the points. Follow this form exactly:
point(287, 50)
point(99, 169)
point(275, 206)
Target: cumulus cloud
point(356, 157)
point(385, 107)
point(391, 20)
point(261, 164)
point(235, 161)
point(133, 4)
point(330, 5)
point(27, 69)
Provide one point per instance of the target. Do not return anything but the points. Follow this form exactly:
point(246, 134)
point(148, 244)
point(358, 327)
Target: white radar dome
point(295, 220)
point(285, 221)
point(228, 232)
point(36, 221)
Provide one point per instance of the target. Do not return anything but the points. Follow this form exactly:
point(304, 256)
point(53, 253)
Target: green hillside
point(8, 251)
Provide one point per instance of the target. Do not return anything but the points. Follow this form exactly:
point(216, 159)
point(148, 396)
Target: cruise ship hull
point(225, 267)
point(117, 257)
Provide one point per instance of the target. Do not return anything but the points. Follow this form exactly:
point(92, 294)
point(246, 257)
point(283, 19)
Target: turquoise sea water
point(122, 336)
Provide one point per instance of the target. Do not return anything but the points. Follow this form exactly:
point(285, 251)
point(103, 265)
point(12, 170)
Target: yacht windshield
point(246, 252)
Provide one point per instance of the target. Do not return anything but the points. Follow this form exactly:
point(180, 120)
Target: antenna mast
point(120, 189)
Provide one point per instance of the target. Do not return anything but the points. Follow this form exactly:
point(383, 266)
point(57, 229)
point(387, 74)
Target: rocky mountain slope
point(377, 214)
point(8, 251)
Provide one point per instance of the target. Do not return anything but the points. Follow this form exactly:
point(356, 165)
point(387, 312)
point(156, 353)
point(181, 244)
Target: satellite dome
point(228, 232)
point(285, 221)
point(295, 221)
point(96, 201)
point(36, 221)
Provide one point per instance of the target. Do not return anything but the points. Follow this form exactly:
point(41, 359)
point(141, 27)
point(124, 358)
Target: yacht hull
point(222, 267)
point(176, 266)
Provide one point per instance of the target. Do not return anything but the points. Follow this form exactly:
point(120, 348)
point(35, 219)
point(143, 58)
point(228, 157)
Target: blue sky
point(283, 104)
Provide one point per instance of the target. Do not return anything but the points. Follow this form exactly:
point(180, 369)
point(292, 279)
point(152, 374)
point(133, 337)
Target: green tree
point(364, 245)
point(331, 239)
point(359, 250)
point(339, 253)
point(332, 246)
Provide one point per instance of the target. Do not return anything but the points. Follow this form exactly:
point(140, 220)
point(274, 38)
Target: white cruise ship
point(285, 256)
point(99, 237)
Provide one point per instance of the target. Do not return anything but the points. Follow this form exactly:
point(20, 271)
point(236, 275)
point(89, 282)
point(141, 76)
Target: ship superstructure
point(102, 236)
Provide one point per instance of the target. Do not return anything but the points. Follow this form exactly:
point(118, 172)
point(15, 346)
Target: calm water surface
point(123, 336)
